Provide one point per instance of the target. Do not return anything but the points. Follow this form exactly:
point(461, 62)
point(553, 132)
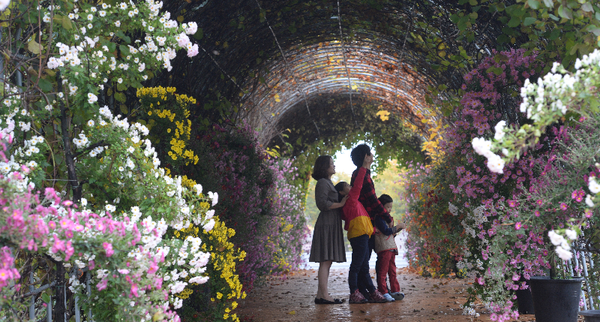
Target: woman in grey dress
point(328, 237)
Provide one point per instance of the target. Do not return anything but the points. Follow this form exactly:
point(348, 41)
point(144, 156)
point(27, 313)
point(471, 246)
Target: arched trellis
point(390, 51)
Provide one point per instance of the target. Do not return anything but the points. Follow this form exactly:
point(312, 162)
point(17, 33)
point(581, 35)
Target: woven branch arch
point(266, 61)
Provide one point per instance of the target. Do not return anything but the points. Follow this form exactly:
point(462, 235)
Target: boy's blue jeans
point(359, 267)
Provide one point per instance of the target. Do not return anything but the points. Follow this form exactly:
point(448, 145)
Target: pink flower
point(192, 50)
point(59, 245)
point(536, 213)
point(518, 225)
point(108, 248)
point(134, 290)
point(102, 284)
point(563, 206)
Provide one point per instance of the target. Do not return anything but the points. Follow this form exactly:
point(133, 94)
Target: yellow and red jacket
point(357, 220)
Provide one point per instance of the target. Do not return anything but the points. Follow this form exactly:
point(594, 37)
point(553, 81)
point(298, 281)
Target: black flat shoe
point(324, 301)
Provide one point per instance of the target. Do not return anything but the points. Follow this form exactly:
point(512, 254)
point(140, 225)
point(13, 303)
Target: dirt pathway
point(292, 299)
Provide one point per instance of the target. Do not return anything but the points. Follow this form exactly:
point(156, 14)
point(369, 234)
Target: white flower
point(191, 28)
point(90, 123)
point(198, 189)
point(199, 279)
point(209, 225)
point(499, 130)
point(209, 214)
point(589, 201)
point(110, 208)
point(214, 196)
point(4, 4)
point(482, 146)
point(92, 98)
point(555, 238)
point(563, 253)
point(571, 234)
point(593, 185)
point(118, 23)
point(495, 163)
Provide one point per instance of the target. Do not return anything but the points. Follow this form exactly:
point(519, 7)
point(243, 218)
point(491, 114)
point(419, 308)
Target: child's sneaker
point(399, 296)
point(388, 297)
point(377, 297)
point(357, 298)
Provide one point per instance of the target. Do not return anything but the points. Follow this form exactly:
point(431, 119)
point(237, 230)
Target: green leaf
point(529, 21)
point(121, 35)
point(565, 12)
point(549, 3)
point(124, 49)
point(534, 4)
point(46, 298)
point(495, 70)
point(45, 85)
point(64, 21)
point(587, 7)
point(112, 46)
point(121, 87)
point(514, 22)
point(34, 47)
point(120, 97)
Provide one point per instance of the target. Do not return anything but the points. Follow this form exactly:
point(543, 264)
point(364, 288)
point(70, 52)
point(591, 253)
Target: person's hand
point(367, 161)
point(343, 202)
point(400, 226)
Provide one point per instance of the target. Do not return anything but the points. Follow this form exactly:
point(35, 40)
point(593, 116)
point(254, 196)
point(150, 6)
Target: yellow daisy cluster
point(224, 258)
point(174, 110)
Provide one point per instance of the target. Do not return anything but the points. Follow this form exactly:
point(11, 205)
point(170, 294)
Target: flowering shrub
point(132, 265)
point(169, 113)
point(60, 136)
point(258, 201)
point(490, 240)
point(557, 95)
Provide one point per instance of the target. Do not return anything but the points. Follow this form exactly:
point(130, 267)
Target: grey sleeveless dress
point(328, 236)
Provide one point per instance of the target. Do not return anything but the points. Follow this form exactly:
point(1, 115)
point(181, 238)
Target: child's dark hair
point(385, 199)
point(358, 154)
point(340, 187)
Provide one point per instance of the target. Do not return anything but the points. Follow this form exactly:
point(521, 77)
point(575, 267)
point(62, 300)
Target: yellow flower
point(219, 295)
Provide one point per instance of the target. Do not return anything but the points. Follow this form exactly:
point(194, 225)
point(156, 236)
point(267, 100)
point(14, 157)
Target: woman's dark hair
point(358, 154)
point(385, 199)
point(340, 187)
point(321, 165)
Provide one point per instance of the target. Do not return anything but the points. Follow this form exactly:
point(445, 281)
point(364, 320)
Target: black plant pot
point(555, 300)
point(591, 315)
point(525, 301)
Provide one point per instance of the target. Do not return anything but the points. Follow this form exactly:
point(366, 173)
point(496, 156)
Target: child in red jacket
point(386, 249)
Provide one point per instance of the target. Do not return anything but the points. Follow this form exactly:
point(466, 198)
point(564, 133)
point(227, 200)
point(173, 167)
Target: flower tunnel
point(156, 155)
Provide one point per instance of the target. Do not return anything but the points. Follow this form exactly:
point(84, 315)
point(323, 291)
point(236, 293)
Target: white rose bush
point(82, 186)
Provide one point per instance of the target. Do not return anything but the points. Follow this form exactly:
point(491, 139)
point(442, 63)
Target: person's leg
point(360, 247)
point(362, 285)
point(394, 284)
point(323, 277)
point(383, 263)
